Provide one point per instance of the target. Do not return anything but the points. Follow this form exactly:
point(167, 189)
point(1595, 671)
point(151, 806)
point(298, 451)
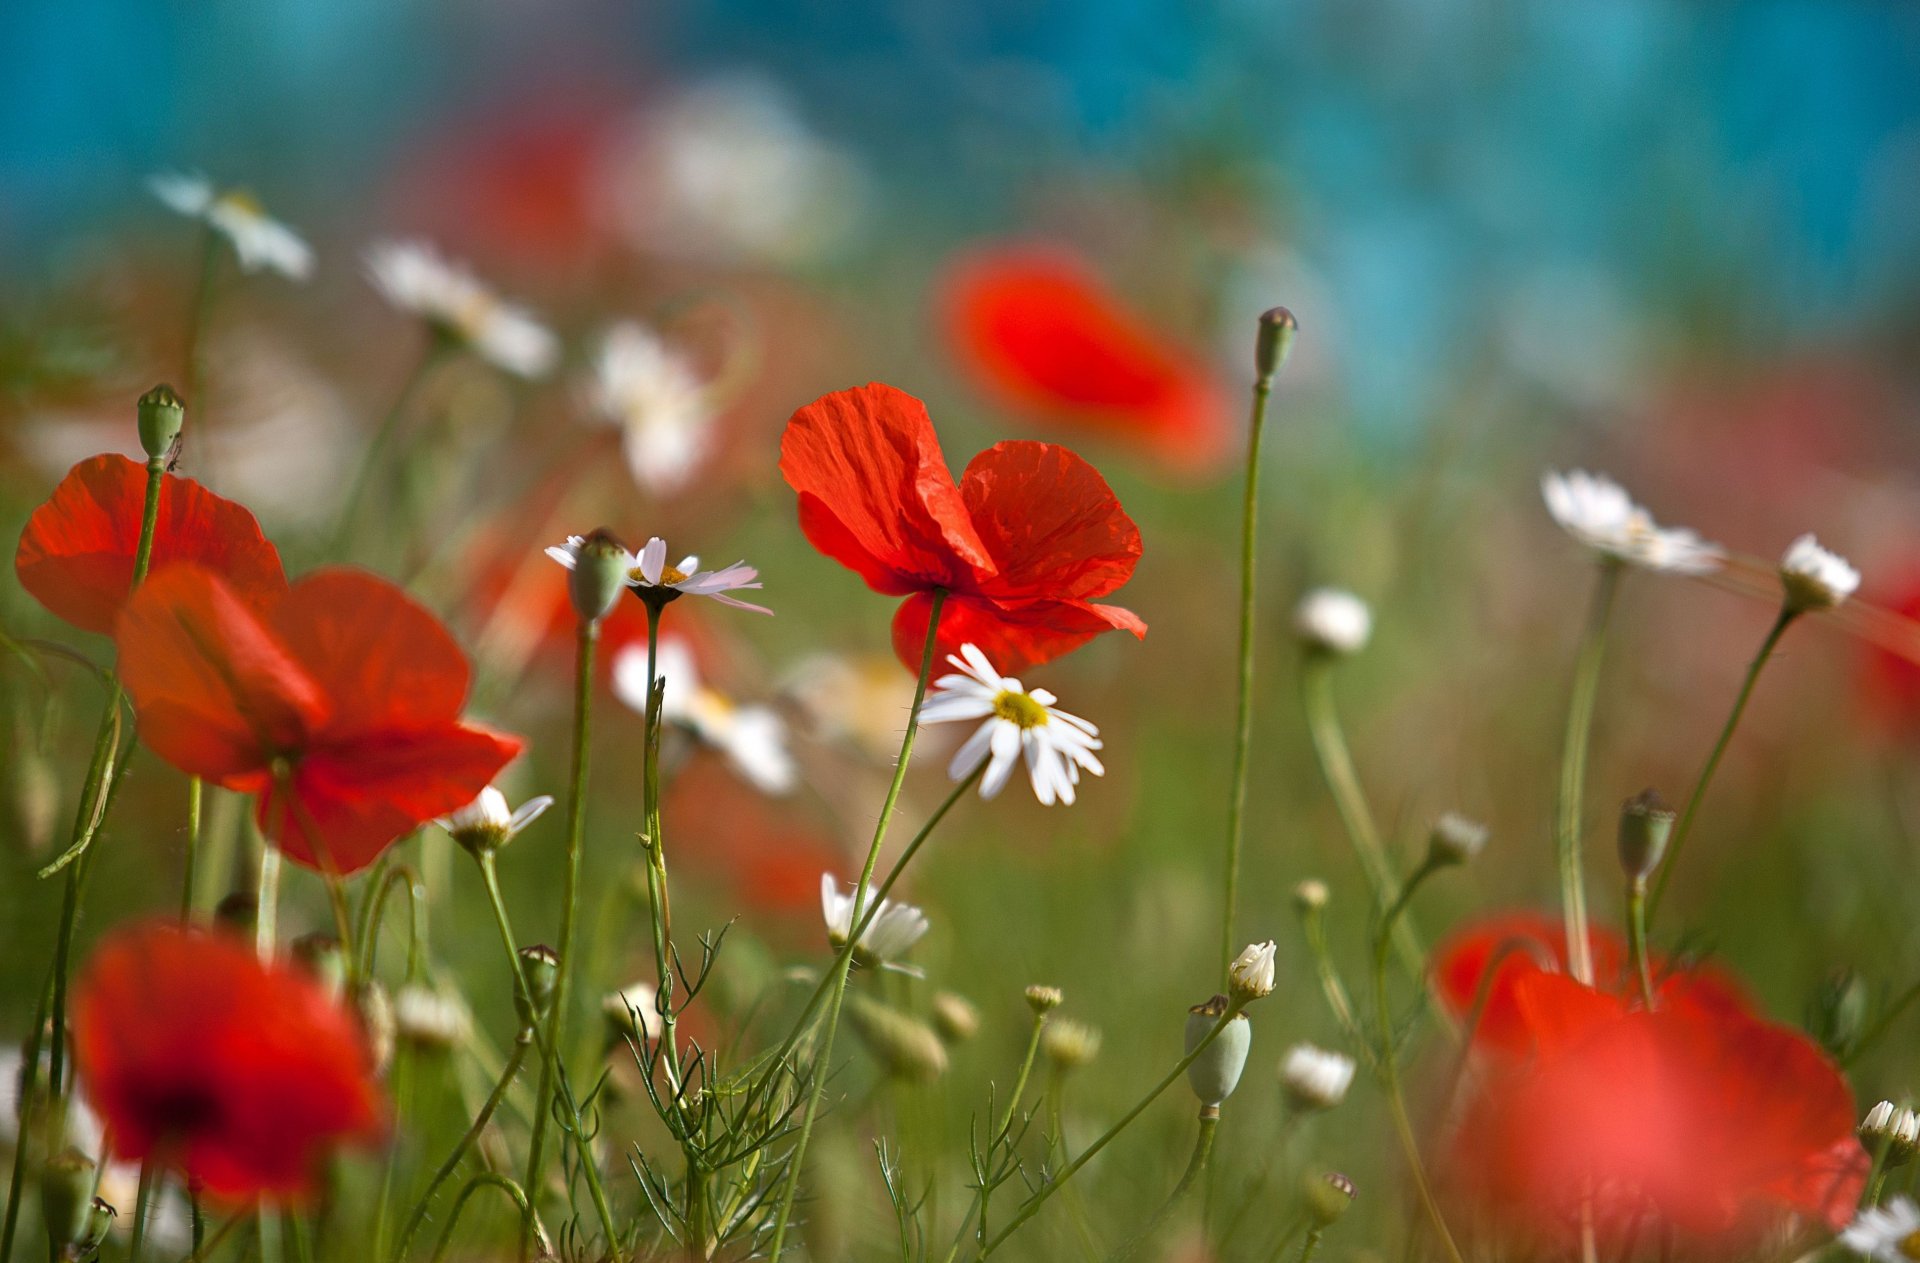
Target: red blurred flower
point(196, 1053)
point(1695, 1116)
point(1890, 682)
point(339, 705)
point(1042, 335)
point(1024, 545)
point(76, 554)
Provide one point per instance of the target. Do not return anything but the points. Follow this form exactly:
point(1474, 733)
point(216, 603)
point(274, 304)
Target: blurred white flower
point(416, 279)
point(258, 239)
point(1598, 512)
point(654, 579)
point(1314, 1078)
point(1886, 1232)
point(1815, 578)
point(663, 409)
point(1332, 621)
point(635, 1011)
point(1057, 746)
point(428, 1017)
point(890, 933)
point(753, 738)
point(489, 823)
point(1251, 974)
point(864, 701)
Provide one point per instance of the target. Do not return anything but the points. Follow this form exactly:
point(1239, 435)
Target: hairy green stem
point(1573, 771)
point(1638, 958)
point(1243, 719)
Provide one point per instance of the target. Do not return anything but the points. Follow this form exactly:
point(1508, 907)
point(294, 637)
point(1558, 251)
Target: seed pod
point(1215, 1073)
point(161, 415)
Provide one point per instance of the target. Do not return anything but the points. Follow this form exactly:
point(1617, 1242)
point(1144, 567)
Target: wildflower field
point(629, 696)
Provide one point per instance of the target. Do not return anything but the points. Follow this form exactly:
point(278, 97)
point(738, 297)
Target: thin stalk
point(844, 961)
point(401, 1078)
point(1196, 1167)
point(485, 1179)
point(1684, 828)
point(195, 789)
point(142, 1207)
point(1312, 1243)
point(204, 1249)
point(1002, 1132)
point(1243, 722)
point(1032, 1205)
point(383, 438)
point(1573, 771)
point(1638, 958)
point(659, 912)
point(425, 1203)
point(586, 642)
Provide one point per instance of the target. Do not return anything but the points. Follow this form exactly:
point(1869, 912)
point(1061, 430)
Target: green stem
point(1003, 1133)
point(383, 438)
point(1638, 958)
point(1573, 771)
point(1032, 1205)
point(203, 1250)
point(419, 1215)
point(485, 1179)
point(1310, 1244)
point(1196, 1167)
point(1243, 724)
point(587, 640)
point(194, 791)
point(142, 1207)
point(843, 963)
point(1684, 828)
point(400, 1080)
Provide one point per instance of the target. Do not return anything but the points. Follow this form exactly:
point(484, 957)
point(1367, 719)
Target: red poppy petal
point(1014, 635)
point(875, 491)
point(353, 800)
point(218, 695)
point(1042, 334)
point(1051, 523)
point(383, 659)
point(76, 554)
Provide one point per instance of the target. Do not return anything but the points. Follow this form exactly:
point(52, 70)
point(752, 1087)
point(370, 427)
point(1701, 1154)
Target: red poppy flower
point(1024, 545)
point(1040, 333)
point(1695, 1116)
point(195, 1052)
point(339, 705)
point(76, 555)
point(1890, 682)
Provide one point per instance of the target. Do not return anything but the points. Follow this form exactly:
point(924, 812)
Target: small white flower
point(1251, 975)
point(894, 929)
point(258, 239)
point(654, 580)
point(428, 1017)
point(1314, 1078)
point(635, 1010)
point(487, 821)
point(1456, 839)
point(1598, 512)
point(1890, 1233)
point(753, 738)
point(1057, 746)
point(415, 278)
point(1878, 1124)
point(663, 409)
point(1332, 621)
point(1815, 578)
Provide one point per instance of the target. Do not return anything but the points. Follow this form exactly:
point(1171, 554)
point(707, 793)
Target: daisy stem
point(1243, 723)
point(195, 788)
point(1002, 1133)
point(1681, 830)
point(843, 963)
point(1032, 1205)
point(588, 639)
point(383, 438)
point(1638, 959)
point(1196, 1167)
point(1573, 771)
point(521, 1043)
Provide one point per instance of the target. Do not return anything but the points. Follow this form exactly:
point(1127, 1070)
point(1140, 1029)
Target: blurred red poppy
point(199, 1055)
point(1024, 545)
point(1042, 335)
point(76, 554)
point(339, 705)
point(1694, 1117)
point(1890, 683)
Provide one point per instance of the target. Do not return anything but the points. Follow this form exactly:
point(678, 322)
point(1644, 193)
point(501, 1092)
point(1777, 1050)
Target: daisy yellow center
point(1019, 709)
point(1910, 1245)
point(673, 574)
point(244, 202)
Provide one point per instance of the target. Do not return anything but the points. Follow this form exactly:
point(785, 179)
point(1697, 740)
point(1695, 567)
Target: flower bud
point(1327, 1197)
point(100, 1216)
point(1903, 1137)
point(374, 1007)
point(1044, 999)
point(1069, 1044)
point(1838, 1012)
point(1331, 621)
point(66, 1196)
point(1646, 822)
point(1315, 1079)
point(484, 824)
point(1251, 975)
point(904, 1044)
point(601, 566)
point(1878, 1124)
point(1455, 840)
point(161, 415)
point(540, 965)
point(1815, 578)
point(954, 1017)
point(1215, 1073)
point(1310, 895)
point(1274, 341)
point(429, 1019)
point(323, 960)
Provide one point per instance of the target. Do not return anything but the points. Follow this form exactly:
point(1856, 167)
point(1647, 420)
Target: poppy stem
point(843, 963)
point(195, 789)
point(1788, 613)
point(485, 1179)
point(1196, 1167)
point(1243, 722)
point(1638, 958)
point(267, 901)
point(1573, 771)
point(521, 1043)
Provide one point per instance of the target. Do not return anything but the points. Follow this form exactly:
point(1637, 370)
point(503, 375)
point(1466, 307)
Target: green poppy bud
point(1646, 822)
point(1215, 1073)
point(161, 415)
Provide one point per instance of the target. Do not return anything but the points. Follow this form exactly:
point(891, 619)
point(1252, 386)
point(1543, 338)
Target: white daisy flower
point(1332, 621)
point(258, 239)
point(1890, 1233)
point(662, 407)
point(1314, 1078)
point(1251, 975)
point(753, 738)
point(1057, 746)
point(415, 278)
point(649, 575)
point(487, 822)
point(1815, 578)
point(1598, 512)
point(890, 932)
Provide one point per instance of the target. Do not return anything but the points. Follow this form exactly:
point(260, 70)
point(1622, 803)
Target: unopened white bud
point(1329, 620)
point(1814, 577)
point(1314, 1078)
point(1455, 839)
point(1251, 975)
